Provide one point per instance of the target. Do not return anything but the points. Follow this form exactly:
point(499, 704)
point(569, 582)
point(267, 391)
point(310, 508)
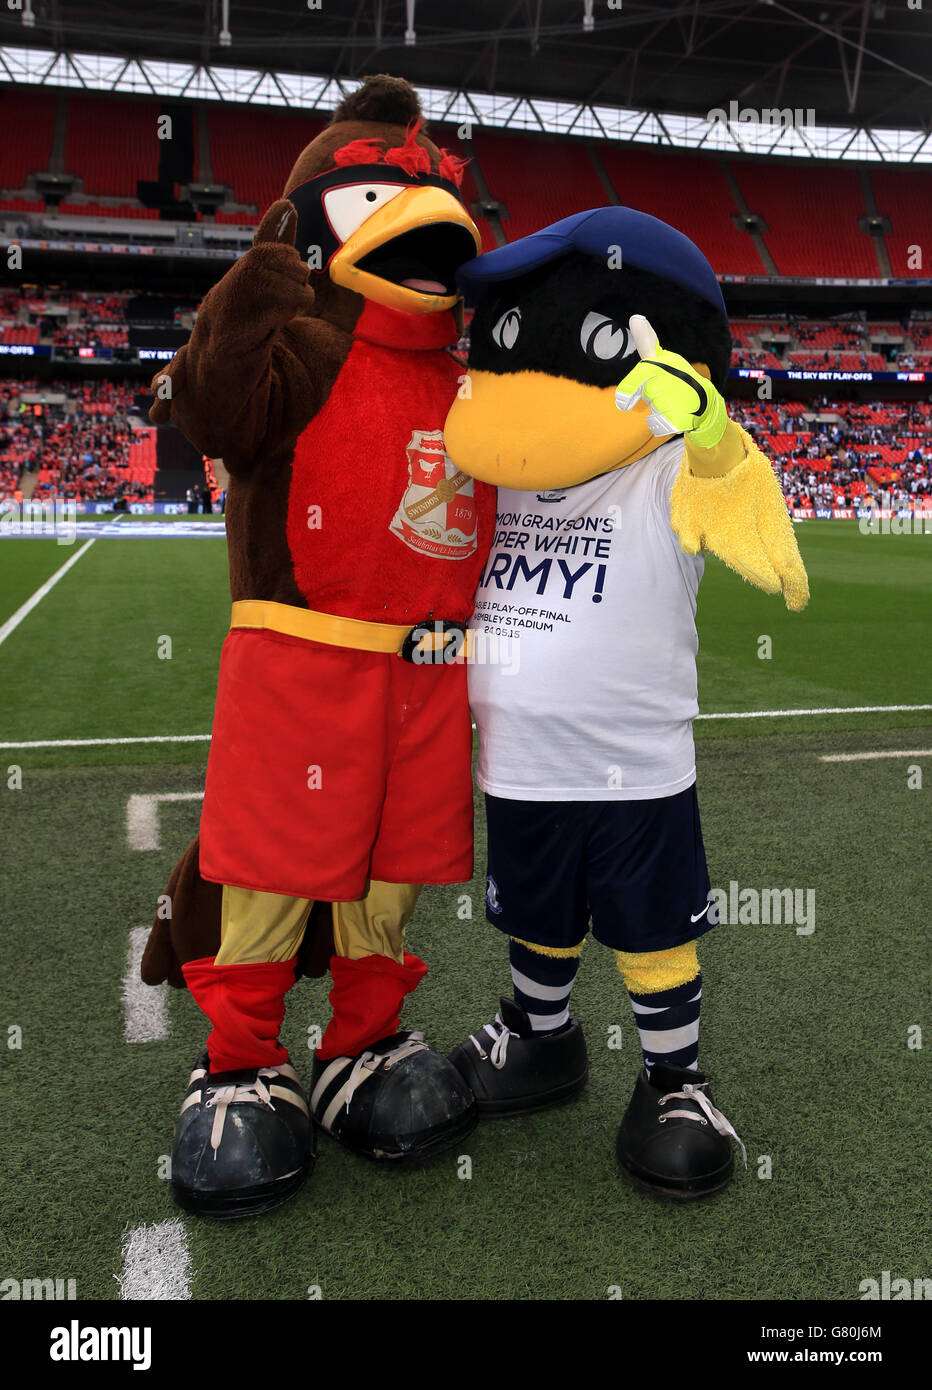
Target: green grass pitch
point(807, 1037)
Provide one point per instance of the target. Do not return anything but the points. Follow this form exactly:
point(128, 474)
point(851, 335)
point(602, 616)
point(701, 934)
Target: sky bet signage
point(824, 374)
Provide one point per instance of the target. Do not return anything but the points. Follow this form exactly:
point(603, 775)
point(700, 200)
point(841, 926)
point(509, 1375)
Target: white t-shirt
point(583, 680)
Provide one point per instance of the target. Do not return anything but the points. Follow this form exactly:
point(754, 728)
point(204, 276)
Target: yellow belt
point(330, 629)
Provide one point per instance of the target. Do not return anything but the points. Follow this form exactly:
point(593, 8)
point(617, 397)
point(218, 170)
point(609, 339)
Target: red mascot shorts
point(330, 766)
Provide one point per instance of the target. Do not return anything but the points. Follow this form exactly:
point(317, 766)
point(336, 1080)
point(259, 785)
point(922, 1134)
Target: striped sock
point(542, 986)
point(668, 1024)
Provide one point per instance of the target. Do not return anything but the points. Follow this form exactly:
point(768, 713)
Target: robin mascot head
point(379, 207)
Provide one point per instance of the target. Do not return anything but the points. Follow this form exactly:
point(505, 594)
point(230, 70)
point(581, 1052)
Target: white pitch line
point(205, 738)
point(145, 1007)
point(827, 709)
point(13, 623)
point(866, 757)
point(142, 816)
point(156, 1263)
point(107, 742)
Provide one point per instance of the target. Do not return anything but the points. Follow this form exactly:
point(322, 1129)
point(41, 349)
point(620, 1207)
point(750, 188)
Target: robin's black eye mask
point(325, 222)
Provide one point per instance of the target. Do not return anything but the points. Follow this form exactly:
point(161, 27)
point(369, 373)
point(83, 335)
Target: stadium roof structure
point(839, 79)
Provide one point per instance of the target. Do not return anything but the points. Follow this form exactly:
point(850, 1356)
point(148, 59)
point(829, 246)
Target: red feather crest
point(410, 156)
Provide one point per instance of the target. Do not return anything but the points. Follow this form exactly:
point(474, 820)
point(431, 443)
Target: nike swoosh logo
point(700, 409)
point(695, 918)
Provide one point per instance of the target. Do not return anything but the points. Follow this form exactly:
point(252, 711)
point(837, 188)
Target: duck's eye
point(603, 340)
point(506, 330)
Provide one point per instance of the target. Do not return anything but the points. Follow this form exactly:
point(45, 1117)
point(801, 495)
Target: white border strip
point(13, 623)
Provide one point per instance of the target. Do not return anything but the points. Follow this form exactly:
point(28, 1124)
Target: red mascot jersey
point(330, 766)
point(381, 525)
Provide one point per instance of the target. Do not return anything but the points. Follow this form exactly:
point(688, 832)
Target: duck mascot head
point(593, 342)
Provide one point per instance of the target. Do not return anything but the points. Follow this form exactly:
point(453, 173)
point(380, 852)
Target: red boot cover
point(366, 1000)
point(246, 1005)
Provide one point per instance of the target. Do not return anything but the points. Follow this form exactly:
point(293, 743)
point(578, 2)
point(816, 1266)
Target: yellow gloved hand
point(681, 400)
point(742, 518)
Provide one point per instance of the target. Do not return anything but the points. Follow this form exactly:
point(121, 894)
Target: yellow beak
point(446, 238)
point(534, 432)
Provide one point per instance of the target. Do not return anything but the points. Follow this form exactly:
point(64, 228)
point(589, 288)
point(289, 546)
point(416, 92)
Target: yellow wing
point(742, 518)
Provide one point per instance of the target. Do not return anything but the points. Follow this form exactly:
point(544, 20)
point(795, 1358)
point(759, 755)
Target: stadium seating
point(89, 452)
point(111, 149)
point(811, 210)
point(539, 180)
point(107, 210)
point(905, 196)
point(252, 150)
point(21, 205)
point(28, 118)
point(689, 191)
point(867, 447)
point(447, 139)
point(811, 214)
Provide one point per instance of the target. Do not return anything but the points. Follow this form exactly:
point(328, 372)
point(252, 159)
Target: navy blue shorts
point(635, 868)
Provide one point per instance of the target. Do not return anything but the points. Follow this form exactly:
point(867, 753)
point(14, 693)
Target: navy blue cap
point(645, 242)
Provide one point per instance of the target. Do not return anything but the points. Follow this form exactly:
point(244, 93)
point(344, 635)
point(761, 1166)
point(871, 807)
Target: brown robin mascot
point(338, 780)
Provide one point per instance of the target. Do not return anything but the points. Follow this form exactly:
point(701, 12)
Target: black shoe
point(395, 1101)
point(243, 1142)
point(512, 1070)
point(672, 1140)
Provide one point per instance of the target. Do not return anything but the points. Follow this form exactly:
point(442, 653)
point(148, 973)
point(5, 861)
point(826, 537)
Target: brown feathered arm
point(241, 384)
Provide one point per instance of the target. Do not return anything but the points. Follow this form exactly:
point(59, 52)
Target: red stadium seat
point(811, 214)
point(252, 150)
point(691, 193)
point(28, 117)
point(905, 196)
point(539, 180)
point(112, 144)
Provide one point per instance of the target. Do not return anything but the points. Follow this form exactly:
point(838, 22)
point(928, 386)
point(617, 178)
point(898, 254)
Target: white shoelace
point(225, 1096)
point(371, 1061)
point(499, 1034)
point(714, 1116)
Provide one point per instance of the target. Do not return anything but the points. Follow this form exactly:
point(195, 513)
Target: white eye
point(348, 207)
point(505, 333)
point(603, 340)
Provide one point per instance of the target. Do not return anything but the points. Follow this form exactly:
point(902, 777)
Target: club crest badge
point(437, 514)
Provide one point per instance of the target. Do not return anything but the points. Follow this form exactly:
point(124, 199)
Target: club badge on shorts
point(437, 513)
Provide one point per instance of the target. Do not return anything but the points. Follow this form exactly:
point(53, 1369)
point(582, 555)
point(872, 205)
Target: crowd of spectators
point(79, 448)
point(72, 319)
point(826, 453)
point(844, 335)
point(849, 344)
point(853, 452)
